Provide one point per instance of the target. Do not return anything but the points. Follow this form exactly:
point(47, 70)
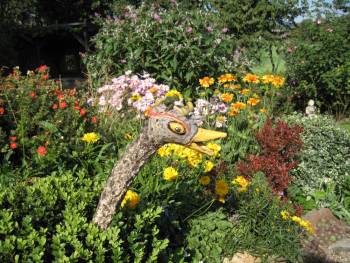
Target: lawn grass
point(265, 65)
point(345, 125)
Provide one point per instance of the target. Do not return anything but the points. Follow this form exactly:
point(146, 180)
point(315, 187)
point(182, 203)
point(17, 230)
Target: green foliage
point(318, 64)
point(324, 164)
point(208, 236)
point(49, 219)
point(145, 39)
point(260, 227)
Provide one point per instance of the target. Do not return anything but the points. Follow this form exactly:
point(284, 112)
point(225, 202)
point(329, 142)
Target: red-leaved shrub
point(279, 145)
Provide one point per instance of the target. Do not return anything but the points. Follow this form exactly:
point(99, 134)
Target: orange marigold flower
point(266, 79)
point(32, 94)
point(206, 82)
point(278, 81)
point(227, 97)
point(41, 150)
point(82, 112)
point(233, 112)
point(251, 78)
point(238, 105)
point(2, 110)
point(94, 119)
point(253, 101)
point(13, 145)
point(226, 78)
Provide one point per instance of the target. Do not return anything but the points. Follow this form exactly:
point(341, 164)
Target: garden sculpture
point(310, 110)
point(162, 127)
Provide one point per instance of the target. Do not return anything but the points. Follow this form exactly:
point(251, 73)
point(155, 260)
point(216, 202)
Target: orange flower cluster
point(276, 81)
point(228, 77)
point(206, 82)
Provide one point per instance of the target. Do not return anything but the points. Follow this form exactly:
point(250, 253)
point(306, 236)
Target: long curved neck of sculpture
point(121, 177)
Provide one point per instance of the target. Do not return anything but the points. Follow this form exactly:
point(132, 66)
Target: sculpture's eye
point(177, 128)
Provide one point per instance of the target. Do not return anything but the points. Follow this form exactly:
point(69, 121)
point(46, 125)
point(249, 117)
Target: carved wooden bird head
point(175, 127)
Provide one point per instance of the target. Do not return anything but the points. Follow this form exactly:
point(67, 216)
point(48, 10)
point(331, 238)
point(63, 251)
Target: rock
point(242, 258)
point(341, 246)
point(324, 245)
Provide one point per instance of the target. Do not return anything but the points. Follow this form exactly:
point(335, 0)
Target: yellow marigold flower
point(227, 97)
point(238, 105)
point(215, 148)
point(206, 82)
point(278, 81)
point(285, 215)
point(233, 112)
point(204, 180)
point(263, 110)
point(221, 188)
point(173, 93)
point(253, 101)
point(241, 181)
point(221, 199)
point(208, 166)
point(296, 219)
point(216, 91)
point(245, 91)
point(170, 174)
point(226, 78)
point(164, 151)
point(135, 97)
point(90, 137)
point(131, 199)
point(251, 78)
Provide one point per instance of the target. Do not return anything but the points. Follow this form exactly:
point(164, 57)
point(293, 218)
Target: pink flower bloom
point(224, 30)
point(42, 68)
point(189, 29)
point(210, 29)
point(41, 150)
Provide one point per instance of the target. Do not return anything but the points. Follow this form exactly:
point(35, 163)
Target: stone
point(244, 257)
point(341, 246)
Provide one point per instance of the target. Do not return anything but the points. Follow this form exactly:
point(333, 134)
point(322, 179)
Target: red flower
point(13, 145)
point(94, 119)
point(82, 112)
point(63, 104)
point(60, 96)
point(54, 106)
point(42, 68)
point(76, 102)
point(32, 94)
point(46, 76)
point(12, 138)
point(41, 150)
point(77, 107)
point(2, 110)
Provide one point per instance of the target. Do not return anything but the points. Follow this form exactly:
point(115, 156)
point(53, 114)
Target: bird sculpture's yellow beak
point(204, 135)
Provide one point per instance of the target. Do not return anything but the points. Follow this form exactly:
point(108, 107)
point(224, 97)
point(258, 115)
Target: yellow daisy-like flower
point(266, 79)
point(173, 93)
point(227, 97)
point(233, 112)
point(245, 91)
point(164, 151)
point(238, 105)
point(170, 174)
point(204, 180)
point(251, 78)
point(215, 148)
point(278, 81)
point(241, 182)
point(208, 166)
point(232, 87)
point(206, 82)
point(135, 97)
point(226, 78)
point(285, 215)
point(221, 188)
point(263, 110)
point(253, 101)
point(131, 199)
point(90, 137)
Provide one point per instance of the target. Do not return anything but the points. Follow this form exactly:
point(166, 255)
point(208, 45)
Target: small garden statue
point(310, 110)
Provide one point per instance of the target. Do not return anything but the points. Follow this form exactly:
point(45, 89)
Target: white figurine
point(310, 110)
